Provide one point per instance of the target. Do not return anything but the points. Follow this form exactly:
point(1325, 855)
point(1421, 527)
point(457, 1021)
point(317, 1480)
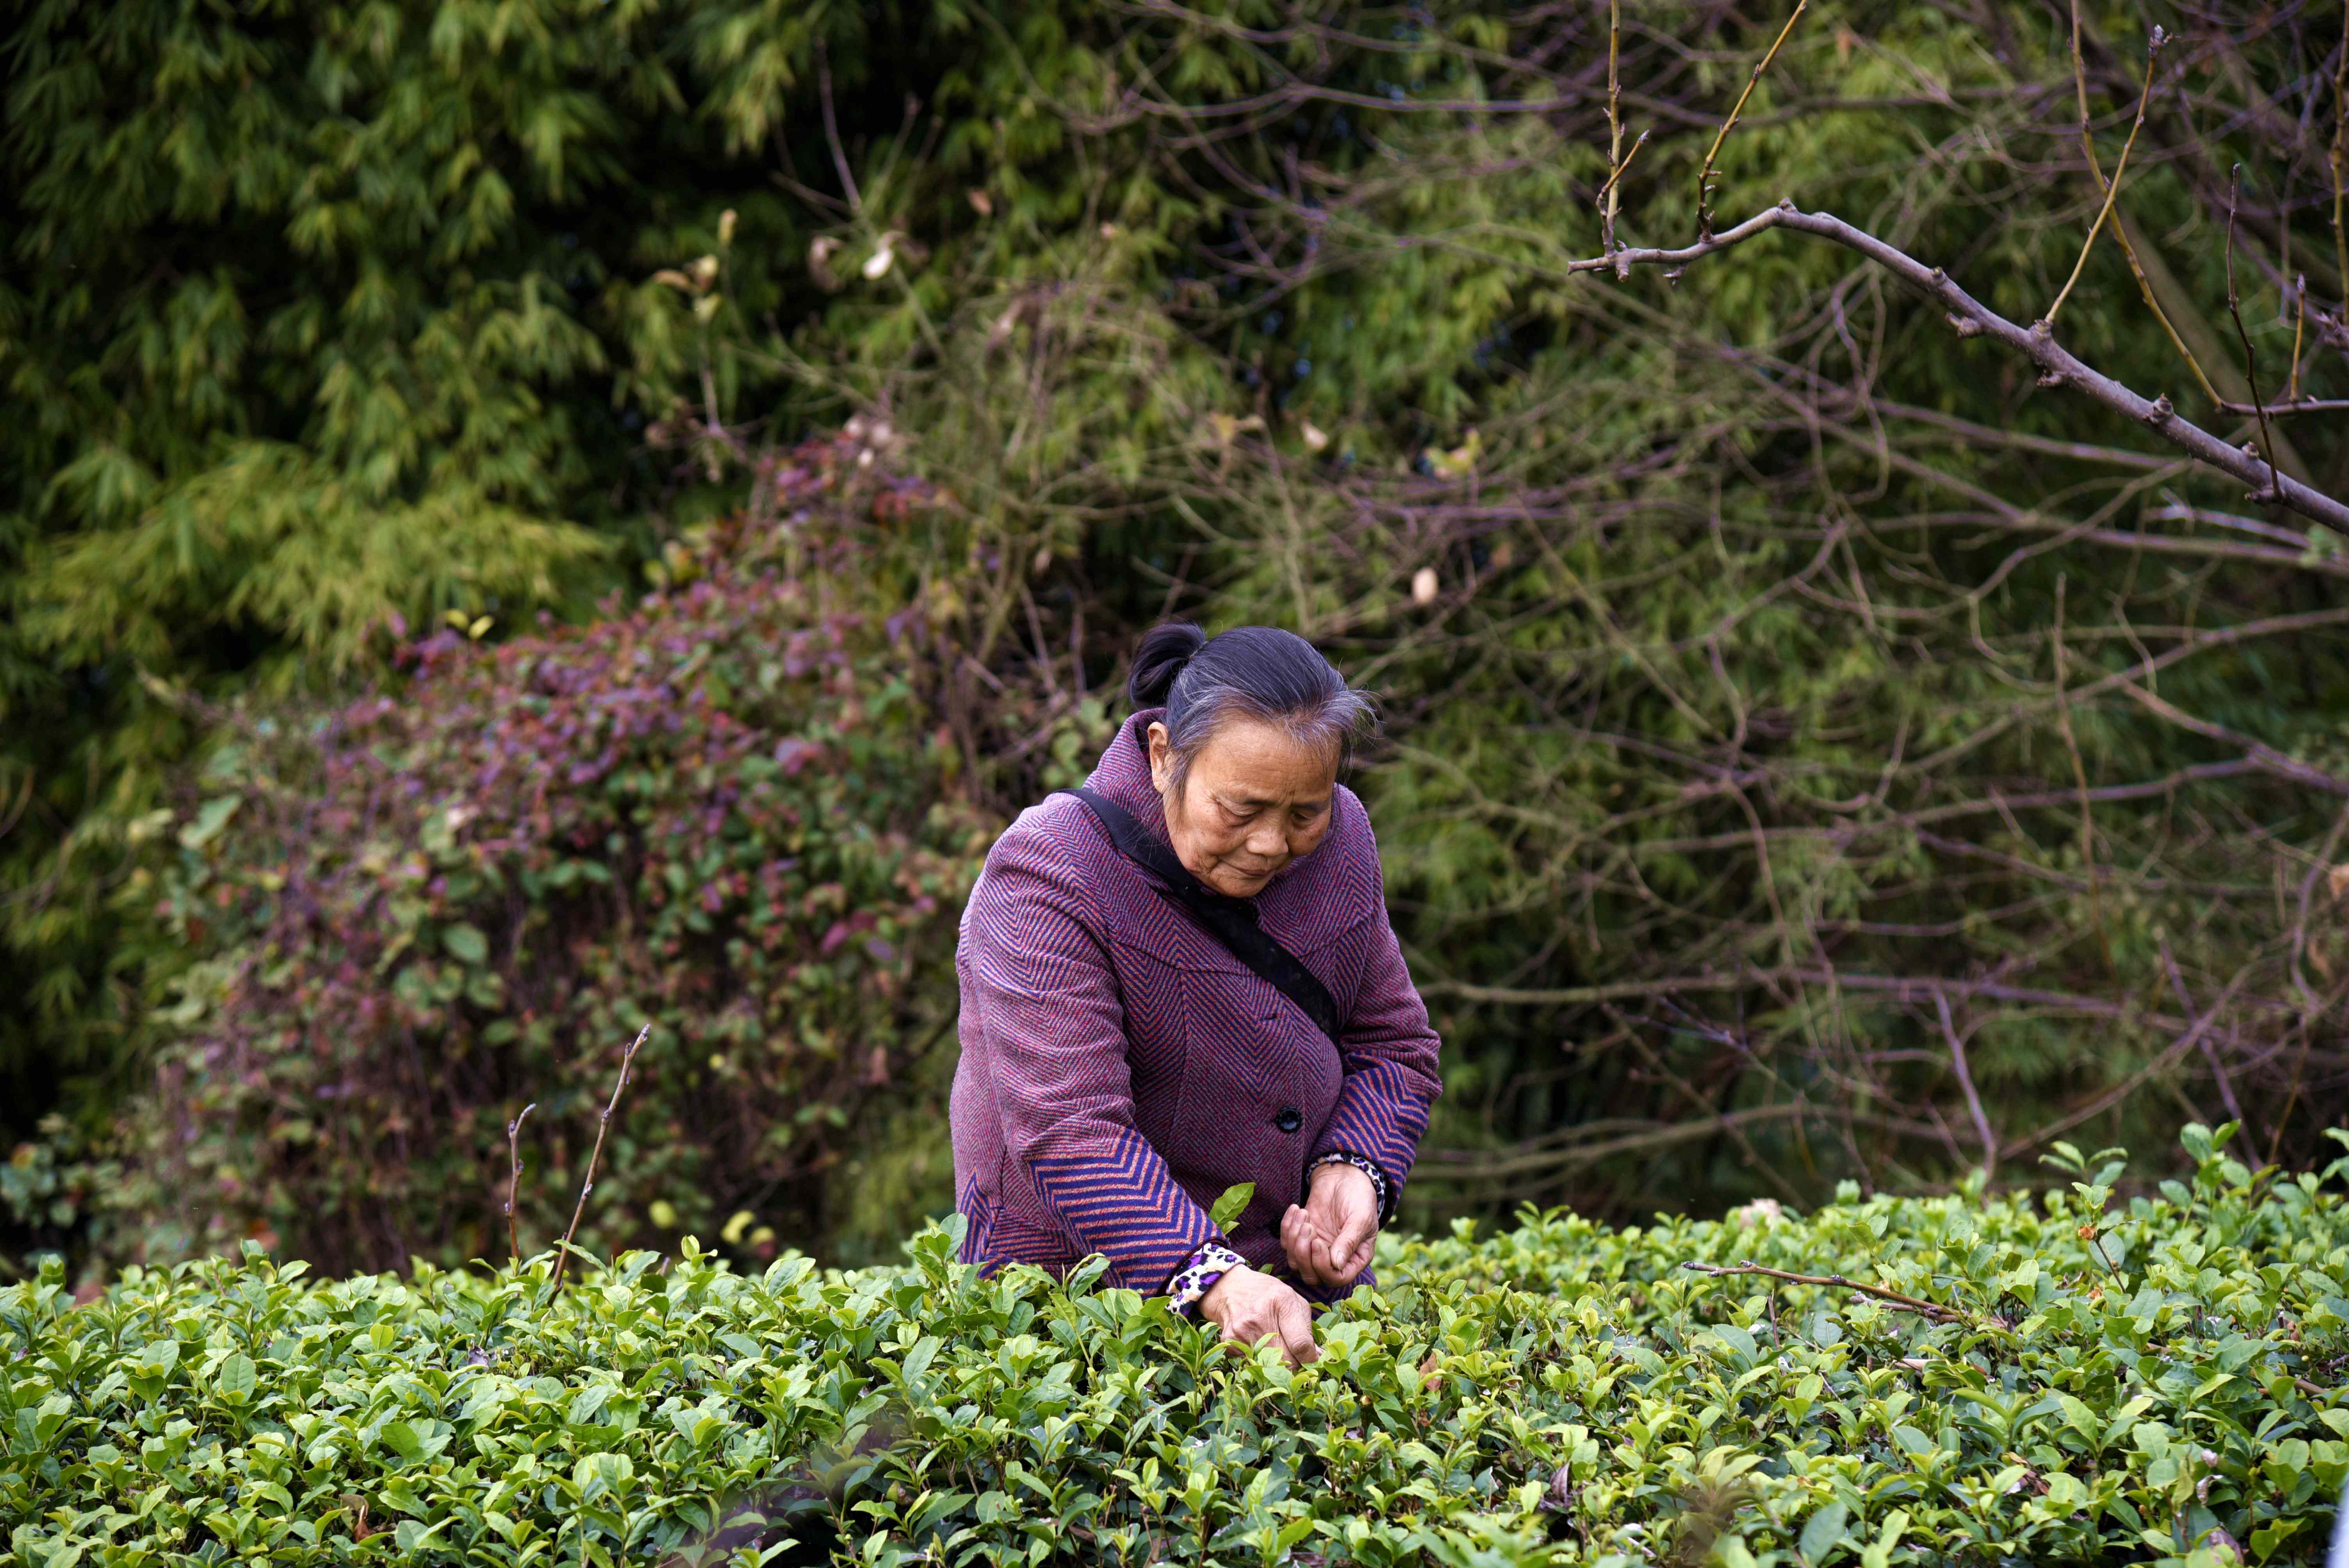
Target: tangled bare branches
point(2058, 366)
point(1821, 749)
point(1933, 773)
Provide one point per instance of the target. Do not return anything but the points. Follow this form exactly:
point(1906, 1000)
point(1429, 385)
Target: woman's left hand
point(1330, 1237)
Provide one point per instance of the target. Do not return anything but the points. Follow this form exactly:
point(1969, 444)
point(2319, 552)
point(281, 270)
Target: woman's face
point(1255, 800)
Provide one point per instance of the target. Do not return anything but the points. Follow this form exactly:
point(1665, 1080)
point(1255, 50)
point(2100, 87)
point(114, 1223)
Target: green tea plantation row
point(2025, 1378)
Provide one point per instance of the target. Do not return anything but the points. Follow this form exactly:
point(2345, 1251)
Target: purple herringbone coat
point(1120, 1068)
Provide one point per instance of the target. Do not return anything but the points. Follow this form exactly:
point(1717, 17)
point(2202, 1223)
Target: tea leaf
point(1226, 1209)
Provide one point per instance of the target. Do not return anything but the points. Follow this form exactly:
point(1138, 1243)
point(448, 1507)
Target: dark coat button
point(1288, 1120)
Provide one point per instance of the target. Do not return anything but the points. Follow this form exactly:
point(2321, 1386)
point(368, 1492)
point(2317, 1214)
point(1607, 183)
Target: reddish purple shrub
point(730, 811)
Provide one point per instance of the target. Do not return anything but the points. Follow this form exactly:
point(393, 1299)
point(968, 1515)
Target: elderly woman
point(1182, 978)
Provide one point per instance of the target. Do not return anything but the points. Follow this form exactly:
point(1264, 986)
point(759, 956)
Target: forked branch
point(1615, 161)
point(2112, 187)
point(603, 1126)
point(514, 1181)
point(2057, 366)
point(1704, 182)
point(2120, 230)
point(1932, 1311)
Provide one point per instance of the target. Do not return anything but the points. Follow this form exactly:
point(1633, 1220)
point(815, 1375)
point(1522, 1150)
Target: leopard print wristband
point(1198, 1275)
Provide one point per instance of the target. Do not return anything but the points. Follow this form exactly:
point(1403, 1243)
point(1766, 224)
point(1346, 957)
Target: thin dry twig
point(2251, 360)
point(2210, 1051)
point(2079, 779)
point(1615, 161)
point(2120, 229)
point(2113, 187)
point(2096, 1246)
point(1726, 1124)
point(1932, 1310)
point(832, 129)
point(2080, 88)
point(2298, 334)
point(1705, 175)
point(1458, 1165)
point(2339, 157)
point(2265, 756)
point(2304, 405)
point(1607, 193)
point(514, 1181)
point(1966, 1082)
point(603, 1126)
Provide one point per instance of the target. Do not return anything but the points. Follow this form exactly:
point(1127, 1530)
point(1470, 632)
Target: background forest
point(525, 521)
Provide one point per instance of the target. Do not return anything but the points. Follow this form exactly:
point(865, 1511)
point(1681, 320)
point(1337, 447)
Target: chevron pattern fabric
point(1123, 1194)
point(1120, 1068)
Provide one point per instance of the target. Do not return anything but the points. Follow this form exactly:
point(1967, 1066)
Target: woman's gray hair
point(1261, 672)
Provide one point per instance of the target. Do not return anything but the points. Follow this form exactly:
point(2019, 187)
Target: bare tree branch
point(2263, 755)
point(1966, 1082)
point(2305, 405)
point(2058, 366)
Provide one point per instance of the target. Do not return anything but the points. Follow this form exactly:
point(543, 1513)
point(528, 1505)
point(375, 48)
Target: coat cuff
point(1198, 1275)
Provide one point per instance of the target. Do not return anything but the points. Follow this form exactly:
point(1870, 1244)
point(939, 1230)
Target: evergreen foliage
point(1820, 751)
point(319, 317)
point(2155, 1382)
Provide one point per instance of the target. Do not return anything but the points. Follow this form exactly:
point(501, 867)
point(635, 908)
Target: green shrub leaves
point(1559, 1393)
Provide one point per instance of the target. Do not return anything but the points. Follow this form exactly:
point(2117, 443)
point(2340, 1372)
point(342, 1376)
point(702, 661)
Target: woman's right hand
point(1252, 1307)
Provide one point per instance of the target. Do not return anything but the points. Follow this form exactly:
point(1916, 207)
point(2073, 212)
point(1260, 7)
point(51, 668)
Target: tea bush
point(2159, 1381)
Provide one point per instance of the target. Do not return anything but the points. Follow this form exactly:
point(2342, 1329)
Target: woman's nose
point(1269, 843)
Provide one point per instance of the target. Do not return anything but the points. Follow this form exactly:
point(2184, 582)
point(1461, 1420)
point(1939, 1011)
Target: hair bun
point(1164, 651)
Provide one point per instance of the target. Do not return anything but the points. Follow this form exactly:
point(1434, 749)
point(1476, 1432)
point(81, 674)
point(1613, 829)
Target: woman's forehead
point(1251, 758)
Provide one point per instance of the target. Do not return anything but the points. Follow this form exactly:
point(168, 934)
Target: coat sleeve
point(1055, 1024)
point(1389, 1053)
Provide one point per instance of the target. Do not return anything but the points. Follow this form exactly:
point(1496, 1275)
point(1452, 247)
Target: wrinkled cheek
point(1251, 875)
point(1232, 859)
point(1205, 854)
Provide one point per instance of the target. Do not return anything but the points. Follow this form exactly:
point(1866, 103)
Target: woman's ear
point(1162, 757)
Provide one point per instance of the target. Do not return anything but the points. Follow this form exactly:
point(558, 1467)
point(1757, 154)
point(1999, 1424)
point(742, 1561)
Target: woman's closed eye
point(1298, 816)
